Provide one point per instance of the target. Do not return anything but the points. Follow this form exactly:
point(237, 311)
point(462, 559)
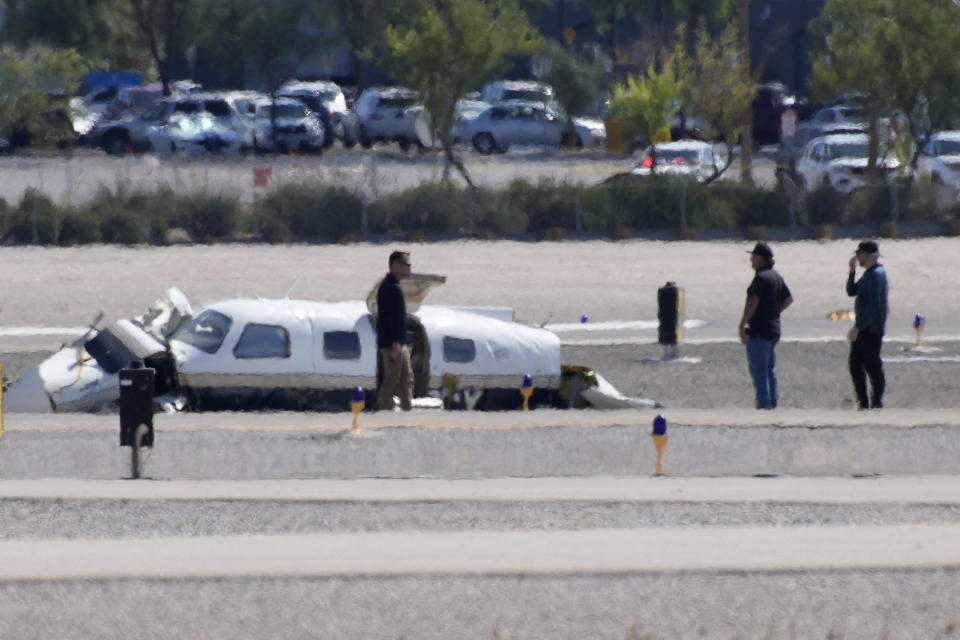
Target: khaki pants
point(397, 378)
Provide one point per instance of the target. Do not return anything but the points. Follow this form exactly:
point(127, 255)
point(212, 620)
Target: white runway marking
point(923, 359)
point(615, 325)
point(645, 335)
point(693, 340)
point(21, 332)
point(487, 552)
point(932, 489)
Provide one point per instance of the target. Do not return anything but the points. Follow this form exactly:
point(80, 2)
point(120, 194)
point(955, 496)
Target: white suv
point(388, 114)
point(130, 134)
point(940, 159)
point(286, 125)
point(838, 161)
point(326, 99)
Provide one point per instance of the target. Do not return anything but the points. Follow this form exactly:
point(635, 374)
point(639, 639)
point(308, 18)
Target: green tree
point(848, 57)
point(99, 30)
point(577, 79)
point(448, 48)
point(607, 13)
point(647, 104)
point(166, 28)
point(718, 86)
point(274, 53)
point(362, 24)
point(270, 38)
point(918, 46)
point(31, 85)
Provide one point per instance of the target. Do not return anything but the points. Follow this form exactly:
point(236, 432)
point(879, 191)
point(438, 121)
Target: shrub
point(753, 206)
point(79, 226)
point(919, 201)
point(601, 211)
point(654, 203)
point(272, 228)
point(159, 209)
point(868, 204)
point(207, 217)
point(705, 209)
point(35, 211)
point(123, 226)
point(823, 206)
point(6, 218)
point(546, 204)
point(133, 218)
point(309, 212)
point(439, 207)
point(494, 216)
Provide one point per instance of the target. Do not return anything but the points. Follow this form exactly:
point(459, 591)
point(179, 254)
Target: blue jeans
point(763, 369)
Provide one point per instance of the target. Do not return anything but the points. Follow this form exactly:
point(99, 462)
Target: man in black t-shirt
point(767, 296)
point(392, 347)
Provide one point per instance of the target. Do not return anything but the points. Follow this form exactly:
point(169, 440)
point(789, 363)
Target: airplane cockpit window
point(341, 345)
point(263, 341)
point(458, 349)
point(206, 331)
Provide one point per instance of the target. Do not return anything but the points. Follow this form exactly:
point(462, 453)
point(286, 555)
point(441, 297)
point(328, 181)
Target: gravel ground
point(812, 374)
point(620, 286)
point(38, 519)
point(556, 281)
point(848, 605)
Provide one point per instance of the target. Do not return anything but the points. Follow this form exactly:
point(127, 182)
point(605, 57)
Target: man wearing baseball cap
point(866, 335)
point(767, 296)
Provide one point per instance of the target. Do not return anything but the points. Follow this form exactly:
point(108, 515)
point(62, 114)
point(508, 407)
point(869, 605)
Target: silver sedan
point(504, 125)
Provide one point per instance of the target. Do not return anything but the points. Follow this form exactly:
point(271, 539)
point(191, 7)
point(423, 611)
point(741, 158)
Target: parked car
point(519, 123)
point(195, 134)
point(327, 100)
point(388, 114)
point(838, 161)
point(689, 158)
point(285, 125)
point(523, 90)
point(130, 102)
point(465, 110)
point(940, 159)
point(86, 110)
point(130, 134)
point(829, 119)
point(791, 157)
point(587, 132)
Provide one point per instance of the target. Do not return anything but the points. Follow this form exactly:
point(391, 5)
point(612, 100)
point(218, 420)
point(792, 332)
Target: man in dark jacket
point(767, 296)
point(866, 336)
point(392, 347)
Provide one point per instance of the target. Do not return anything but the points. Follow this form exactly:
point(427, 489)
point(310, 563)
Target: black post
point(136, 410)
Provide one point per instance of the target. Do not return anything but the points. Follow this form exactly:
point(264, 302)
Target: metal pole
point(683, 206)
point(136, 460)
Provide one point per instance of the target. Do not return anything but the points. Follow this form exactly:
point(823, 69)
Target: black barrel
point(669, 314)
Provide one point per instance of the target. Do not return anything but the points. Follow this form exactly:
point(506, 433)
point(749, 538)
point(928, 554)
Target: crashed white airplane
point(255, 354)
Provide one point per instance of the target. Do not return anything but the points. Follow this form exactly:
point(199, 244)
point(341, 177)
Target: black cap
point(868, 246)
point(763, 250)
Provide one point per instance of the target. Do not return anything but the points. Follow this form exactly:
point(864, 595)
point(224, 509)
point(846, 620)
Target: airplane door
point(419, 356)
